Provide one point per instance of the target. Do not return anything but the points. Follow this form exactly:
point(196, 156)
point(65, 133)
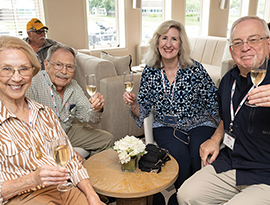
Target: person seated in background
point(183, 96)
point(55, 88)
point(36, 32)
point(240, 172)
point(29, 173)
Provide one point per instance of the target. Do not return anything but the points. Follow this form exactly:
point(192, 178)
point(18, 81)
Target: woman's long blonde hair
point(153, 58)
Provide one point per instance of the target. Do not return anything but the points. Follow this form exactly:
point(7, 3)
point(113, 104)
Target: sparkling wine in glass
point(128, 82)
point(90, 82)
point(258, 71)
point(61, 156)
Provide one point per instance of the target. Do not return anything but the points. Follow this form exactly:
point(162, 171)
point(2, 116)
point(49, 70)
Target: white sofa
point(209, 51)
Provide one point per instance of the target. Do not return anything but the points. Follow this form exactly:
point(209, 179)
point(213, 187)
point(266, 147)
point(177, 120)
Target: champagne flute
point(91, 87)
point(128, 82)
point(61, 156)
point(90, 82)
point(258, 72)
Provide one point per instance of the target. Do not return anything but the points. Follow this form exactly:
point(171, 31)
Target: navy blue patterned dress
point(195, 98)
point(193, 103)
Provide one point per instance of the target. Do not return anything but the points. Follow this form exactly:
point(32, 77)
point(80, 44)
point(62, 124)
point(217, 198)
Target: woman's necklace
point(164, 87)
point(171, 73)
point(38, 154)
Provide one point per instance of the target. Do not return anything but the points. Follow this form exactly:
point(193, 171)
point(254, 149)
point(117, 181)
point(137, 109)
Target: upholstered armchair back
point(116, 117)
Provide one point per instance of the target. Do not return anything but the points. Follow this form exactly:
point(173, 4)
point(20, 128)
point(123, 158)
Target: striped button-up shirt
point(21, 142)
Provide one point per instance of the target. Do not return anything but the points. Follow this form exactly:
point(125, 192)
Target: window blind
point(14, 15)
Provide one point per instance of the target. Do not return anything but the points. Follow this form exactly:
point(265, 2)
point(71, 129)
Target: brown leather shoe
point(103, 198)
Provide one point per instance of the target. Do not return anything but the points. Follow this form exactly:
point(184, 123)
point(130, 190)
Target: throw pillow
point(121, 64)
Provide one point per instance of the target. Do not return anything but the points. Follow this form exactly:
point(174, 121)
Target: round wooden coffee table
point(106, 177)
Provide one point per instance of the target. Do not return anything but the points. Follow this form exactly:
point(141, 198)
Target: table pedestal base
point(134, 201)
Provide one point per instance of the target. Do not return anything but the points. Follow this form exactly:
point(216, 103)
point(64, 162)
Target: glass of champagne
point(128, 82)
point(61, 156)
point(91, 87)
point(90, 82)
point(258, 72)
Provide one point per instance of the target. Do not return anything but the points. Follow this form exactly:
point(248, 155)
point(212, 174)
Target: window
point(192, 21)
point(234, 14)
point(152, 17)
point(263, 10)
point(102, 23)
point(14, 15)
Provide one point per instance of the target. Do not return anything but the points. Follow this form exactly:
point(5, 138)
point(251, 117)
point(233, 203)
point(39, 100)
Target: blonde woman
point(183, 96)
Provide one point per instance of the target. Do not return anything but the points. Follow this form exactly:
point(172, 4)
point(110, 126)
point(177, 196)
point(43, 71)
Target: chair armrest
point(226, 65)
point(116, 117)
point(148, 128)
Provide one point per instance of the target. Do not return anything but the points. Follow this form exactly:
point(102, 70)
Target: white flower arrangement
point(128, 147)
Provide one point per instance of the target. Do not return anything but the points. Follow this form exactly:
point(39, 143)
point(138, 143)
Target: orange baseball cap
point(35, 24)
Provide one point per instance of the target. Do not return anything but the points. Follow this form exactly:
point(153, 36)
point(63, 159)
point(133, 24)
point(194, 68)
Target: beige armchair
point(116, 118)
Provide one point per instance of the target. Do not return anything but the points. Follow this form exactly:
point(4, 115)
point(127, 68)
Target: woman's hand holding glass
point(48, 175)
point(129, 99)
point(61, 155)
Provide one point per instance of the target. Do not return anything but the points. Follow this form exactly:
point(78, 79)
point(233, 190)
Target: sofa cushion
point(214, 72)
point(86, 64)
point(121, 64)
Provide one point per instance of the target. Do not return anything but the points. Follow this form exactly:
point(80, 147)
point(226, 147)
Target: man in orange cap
point(36, 32)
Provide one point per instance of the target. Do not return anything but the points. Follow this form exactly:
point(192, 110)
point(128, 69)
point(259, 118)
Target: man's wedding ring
point(100, 103)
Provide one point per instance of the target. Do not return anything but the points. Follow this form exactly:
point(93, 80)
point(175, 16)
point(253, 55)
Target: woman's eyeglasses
point(8, 71)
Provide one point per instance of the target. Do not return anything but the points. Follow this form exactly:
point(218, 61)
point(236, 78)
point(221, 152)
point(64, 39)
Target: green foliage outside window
point(109, 5)
point(193, 6)
point(153, 15)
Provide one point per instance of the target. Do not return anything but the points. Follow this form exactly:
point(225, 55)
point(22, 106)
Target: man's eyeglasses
point(253, 41)
point(8, 71)
point(38, 32)
point(60, 66)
